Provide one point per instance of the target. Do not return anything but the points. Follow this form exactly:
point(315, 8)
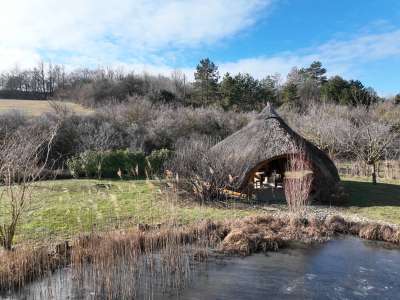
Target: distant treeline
point(23, 95)
point(239, 92)
point(38, 83)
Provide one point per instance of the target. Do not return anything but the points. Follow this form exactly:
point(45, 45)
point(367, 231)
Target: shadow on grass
point(365, 194)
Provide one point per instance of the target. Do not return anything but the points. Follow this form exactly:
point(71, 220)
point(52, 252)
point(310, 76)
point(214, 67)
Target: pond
point(346, 268)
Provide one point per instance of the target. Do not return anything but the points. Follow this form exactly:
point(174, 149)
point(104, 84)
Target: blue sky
point(356, 39)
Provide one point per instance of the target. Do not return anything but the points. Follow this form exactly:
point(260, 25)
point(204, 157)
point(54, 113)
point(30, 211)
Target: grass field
point(379, 202)
point(35, 107)
point(65, 208)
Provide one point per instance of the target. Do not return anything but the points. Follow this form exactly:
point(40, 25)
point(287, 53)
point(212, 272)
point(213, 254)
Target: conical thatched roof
point(268, 137)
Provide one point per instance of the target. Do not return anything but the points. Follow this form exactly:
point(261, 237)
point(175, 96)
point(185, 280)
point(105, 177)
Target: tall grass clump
point(155, 260)
point(298, 180)
point(126, 265)
point(29, 262)
point(121, 264)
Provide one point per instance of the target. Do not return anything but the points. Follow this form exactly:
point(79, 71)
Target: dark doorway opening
point(266, 180)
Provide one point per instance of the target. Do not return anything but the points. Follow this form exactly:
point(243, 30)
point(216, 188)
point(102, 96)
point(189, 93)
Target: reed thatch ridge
point(267, 139)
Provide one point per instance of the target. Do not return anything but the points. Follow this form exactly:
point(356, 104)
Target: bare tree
point(179, 82)
point(24, 154)
point(324, 125)
point(371, 141)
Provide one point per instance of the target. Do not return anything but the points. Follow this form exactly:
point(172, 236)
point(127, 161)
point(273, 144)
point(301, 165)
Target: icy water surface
point(347, 268)
point(340, 269)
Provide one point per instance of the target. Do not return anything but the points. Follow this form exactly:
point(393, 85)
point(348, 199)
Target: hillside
point(36, 107)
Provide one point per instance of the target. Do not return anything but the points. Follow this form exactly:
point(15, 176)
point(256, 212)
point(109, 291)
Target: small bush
point(91, 163)
point(156, 161)
point(108, 164)
point(75, 166)
point(125, 163)
point(118, 163)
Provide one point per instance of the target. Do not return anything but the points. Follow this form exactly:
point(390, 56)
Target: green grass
point(64, 208)
point(378, 202)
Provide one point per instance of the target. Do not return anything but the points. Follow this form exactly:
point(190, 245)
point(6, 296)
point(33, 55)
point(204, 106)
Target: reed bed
point(126, 264)
point(268, 233)
point(138, 262)
point(29, 262)
point(116, 262)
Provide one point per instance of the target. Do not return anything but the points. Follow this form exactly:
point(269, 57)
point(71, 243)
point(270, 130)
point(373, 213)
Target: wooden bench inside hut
point(266, 180)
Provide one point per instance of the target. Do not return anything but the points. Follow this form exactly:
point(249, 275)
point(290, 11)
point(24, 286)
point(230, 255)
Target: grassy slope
point(35, 107)
point(380, 201)
point(65, 208)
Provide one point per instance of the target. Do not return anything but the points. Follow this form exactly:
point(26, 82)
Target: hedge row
point(118, 164)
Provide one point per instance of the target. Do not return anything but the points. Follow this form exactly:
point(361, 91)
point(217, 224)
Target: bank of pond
point(317, 258)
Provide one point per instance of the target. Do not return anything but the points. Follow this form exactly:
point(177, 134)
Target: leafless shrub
point(60, 109)
point(201, 173)
point(371, 139)
point(11, 121)
point(325, 125)
point(99, 135)
point(23, 157)
point(364, 134)
point(165, 129)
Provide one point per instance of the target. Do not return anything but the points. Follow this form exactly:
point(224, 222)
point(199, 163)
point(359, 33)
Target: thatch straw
point(268, 137)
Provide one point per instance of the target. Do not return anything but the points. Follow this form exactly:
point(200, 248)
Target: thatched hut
point(261, 150)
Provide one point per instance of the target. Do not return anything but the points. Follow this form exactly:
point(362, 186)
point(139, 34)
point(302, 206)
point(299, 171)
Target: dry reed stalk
point(337, 224)
point(298, 180)
point(155, 252)
point(121, 264)
point(26, 263)
point(155, 258)
point(266, 233)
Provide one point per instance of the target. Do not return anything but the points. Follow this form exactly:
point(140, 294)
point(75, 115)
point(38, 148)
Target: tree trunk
point(7, 236)
point(8, 244)
point(374, 173)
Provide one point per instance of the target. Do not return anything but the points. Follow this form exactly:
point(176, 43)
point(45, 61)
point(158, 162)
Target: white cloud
point(149, 35)
point(17, 57)
point(259, 67)
point(340, 57)
point(106, 31)
point(364, 48)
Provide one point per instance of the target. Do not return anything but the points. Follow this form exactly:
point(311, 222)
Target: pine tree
point(316, 72)
point(206, 81)
point(397, 99)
